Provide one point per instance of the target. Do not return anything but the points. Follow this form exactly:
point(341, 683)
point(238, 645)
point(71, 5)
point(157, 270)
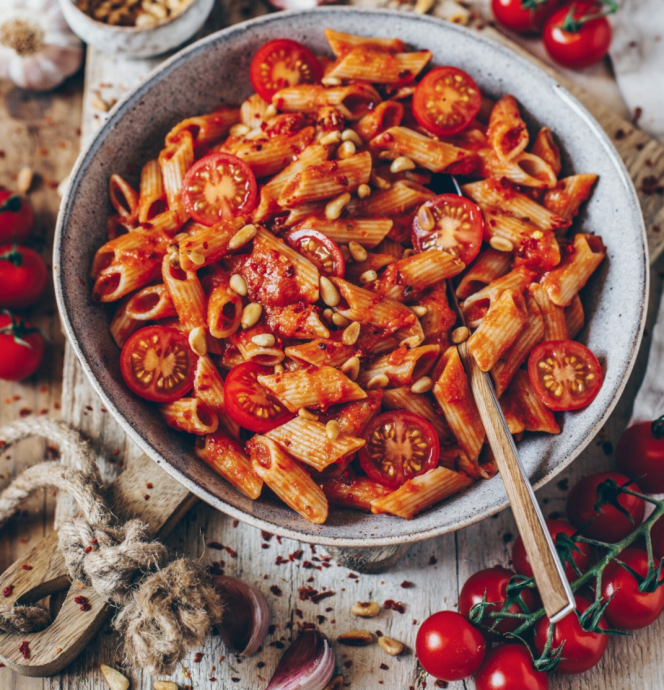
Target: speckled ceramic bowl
point(215, 70)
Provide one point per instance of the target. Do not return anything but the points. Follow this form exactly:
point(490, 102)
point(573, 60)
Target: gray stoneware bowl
point(215, 70)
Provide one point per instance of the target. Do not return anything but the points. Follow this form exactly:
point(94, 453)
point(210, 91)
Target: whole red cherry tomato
point(640, 455)
point(582, 649)
point(493, 582)
point(23, 277)
point(449, 647)
point(574, 39)
point(510, 667)
point(581, 557)
point(22, 348)
point(630, 609)
point(15, 218)
point(523, 16)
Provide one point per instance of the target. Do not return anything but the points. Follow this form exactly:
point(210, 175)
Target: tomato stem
point(657, 427)
point(532, 4)
point(13, 255)
point(18, 330)
point(13, 204)
point(573, 24)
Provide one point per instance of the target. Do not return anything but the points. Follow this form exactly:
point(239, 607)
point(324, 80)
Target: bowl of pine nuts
point(136, 28)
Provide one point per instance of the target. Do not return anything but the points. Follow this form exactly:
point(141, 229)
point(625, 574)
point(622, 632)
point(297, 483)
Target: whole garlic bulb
point(37, 49)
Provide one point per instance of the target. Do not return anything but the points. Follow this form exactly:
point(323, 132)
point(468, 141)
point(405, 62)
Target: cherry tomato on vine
point(399, 446)
point(493, 582)
point(449, 647)
point(218, 186)
point(630, 609)
point(323, 252)
point(15, 218)
point(657, 536)
point(521, 562)
point(22, 348)
point(582, 649)
point(565, 375)
point(158, 364)
point(446, 101)
point(573, 40)
point(523, 16)
point(281, 63)
point(640, 455)
point(23, 277)
point(606, 524)
point(452, 224)
point(248, 403)
point(510, 667)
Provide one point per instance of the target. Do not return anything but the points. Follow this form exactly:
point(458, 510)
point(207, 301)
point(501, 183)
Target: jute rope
point(164, 609)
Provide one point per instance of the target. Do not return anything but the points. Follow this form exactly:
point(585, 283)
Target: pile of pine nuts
point(139, 13)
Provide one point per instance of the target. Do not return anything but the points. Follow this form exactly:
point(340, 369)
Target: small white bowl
point(133, 41)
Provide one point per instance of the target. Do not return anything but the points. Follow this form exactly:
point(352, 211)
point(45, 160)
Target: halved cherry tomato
point(399, 446)
point(446, 101)
point(564, 374)
point(523, 16)
point(458, 226)
point(281, 63)
point(323, 252)
point(248, 403)
point(15, 217)
point(23, 277)
point(158, 364)
point(22, 348)
point(218, 186)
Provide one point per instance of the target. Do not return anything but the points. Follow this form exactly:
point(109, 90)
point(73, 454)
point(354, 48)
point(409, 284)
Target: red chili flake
point(298, 613)
point(433, 560)
point(198, 658)
point(25, 649)
point(441, 683)
point(307, 565)
point(398, 606)
point(25, 412)
point(265, 546)
point(620, 134)
point(320, 619)
point(266, 535)
point(638, 111)
point(149, 485)
point(276, 590)
point(215, 545)
point(88, 549)
point(25, 566)
point(212, 680)
point(7, 591)
point(236, 523)
point(384, 667)
point(323, 595)
point(260, 664)
point(235, 680)
point(407, 585)
point(231, 552)
point(348, 663)
point(296, 555)
point(353, 576)
point(147, 497)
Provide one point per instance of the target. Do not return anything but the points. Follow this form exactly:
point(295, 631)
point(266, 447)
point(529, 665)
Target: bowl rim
point(200, 491)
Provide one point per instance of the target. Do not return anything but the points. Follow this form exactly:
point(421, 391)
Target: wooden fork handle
point(549, 574)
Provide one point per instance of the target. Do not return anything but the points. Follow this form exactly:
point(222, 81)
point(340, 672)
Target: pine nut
point(388, 155)
point(345, 251)
point(242, 236)
point(98, 103)
point(279, 369)
point(334, 208)
point(239, 130)
point(353, 136)
point(328, 292)
point(379, 182)
point(356, 638)
point(390, 645)
point(423, 6)
point(459, 335)
point(115, 679)
point(378, 381)
point(340, 320)
point(420, 310)
point(332, 429)
point(363, 191)
point(425, 219)
point(24, 180)
point(346, 150)
point(351, 367)
point(198, 341)
point(401, 164)
point(412, 342)
point(500, 244)
point(330, 138)
point(238, 284)
point(357, 251)
point(264, 340)
point(366, 609)
point(368, 276)
point(250, 315)
point(407, 253)
point(422, 385)
point(351, 334)
point(307, 414)
point(164, 685)
point(330, 81)
point(537, 235)
point(196, 258)
point(328, 315)
point(270, 111)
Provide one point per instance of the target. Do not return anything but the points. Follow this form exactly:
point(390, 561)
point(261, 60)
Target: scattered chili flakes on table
point(7, 591)
point(25, 649)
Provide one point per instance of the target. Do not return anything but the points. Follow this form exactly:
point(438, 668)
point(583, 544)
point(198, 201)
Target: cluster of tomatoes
point(575, 35)
point(23, 279)
point(454, 646)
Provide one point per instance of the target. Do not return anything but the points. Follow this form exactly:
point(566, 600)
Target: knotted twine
point(165, 609)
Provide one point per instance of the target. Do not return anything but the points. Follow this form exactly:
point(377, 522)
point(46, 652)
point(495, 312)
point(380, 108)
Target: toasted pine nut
point(332, 429)
point(407, 253)
point(411, 342)
point(379, 182)
point(425, 218)
point(334, 208)
point(351, 334)
point(378, 381)
point(98, 103)
point(307, 414)
point(328, 314)
point(366, 609)
point(164, 685)
point(368, 276)
point(242, 236)
point(459, 335)
point(363, 191)
point(330, 138)
point(420, 310)
point(279, 369)
point(340, 320)
point(250, 315)
point(24, 180)
point(328, 292)
point(238, 284)
point(196, 258)
point(345, 252)
point(351, 367)
point(356, 638)
point(198, 341)
point(500, 244)
point(115, 679)
point(264, 340)
point(330, 81)
point(537, 235)
point(422, 385)
point(270, 111)
point(388, 155)
point(357, 251)
point(239, 130)
point(346, 150)
point(390, 645)
point(351, 135)
point(401, 164)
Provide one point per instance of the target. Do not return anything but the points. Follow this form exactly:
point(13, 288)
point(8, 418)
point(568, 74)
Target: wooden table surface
point(43, 131)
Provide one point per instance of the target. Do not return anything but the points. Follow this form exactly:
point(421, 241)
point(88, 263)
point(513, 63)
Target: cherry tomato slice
point(23, 277)
point(281, 63)
point(158, 364)
point(457, 227)
point(399, 446)
point(446, 101)
point(218, 186)
point(564, 374)
point(323, 252)
point(248, 403)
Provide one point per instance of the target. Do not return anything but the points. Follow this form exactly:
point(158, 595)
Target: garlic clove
point(308, 664)
point(246, 616)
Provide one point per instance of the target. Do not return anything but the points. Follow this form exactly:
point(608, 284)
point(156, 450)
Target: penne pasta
point(187, 294)
point(123, 325)
point(151, 304)
point(175, 159)
point(208, 244)
point(403, 366)
point(489, 265)
point(574, 316)
point(546, 148)
point(507, 132)
point(342, 43)
point(124, 198)
point(349, 491)
point(151, 195)
point(384, 116)
point(527, 408)
point(569, 194)
point(320, 352)
point(525, 169)
point(352, 101)
point(191, 415)
point(439, 318)
point(369, 232)
point(370, 63)
point(224, 306)
point(206, 129)
point(553, 316)
point(252, 111)
point(401, 197)
point(266, 355)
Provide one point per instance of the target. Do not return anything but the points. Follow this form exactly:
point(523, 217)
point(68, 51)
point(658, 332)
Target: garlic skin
point(38, 51)
point(308, 664)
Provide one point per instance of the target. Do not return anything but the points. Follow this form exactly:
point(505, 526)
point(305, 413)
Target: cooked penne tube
point(489, 265)
point(151, 304)
point(208, 244)
point(369, 232)
point(226, 458)
point(191, 415)
point(546, 148)
point(175, 159)
point(224, 307)
point(206, 129)
point(518, 280)
point(187, 294)
point(252, 110)
point(267, 355)
point(352, 101)
point(209, 387)
point(391, 247)
point(168, 222)
point(402, 196)
point(403, 398)
point(320, 352)
point(270, 155)
point(555, 324)
point(373, 262)
point(439, 318)
point(569, 194)
point(124, 198)
point(364, 63)
point(421, 492)
point(402, 366)
point(507, 132)
point(575, 317)
point(296, 321)
point(534, 414)
point(151, 195)
point(525, 169)
point(385, 115)
point(122, 325)
point(349, 491)
point(342, 43)
point(287, 479)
